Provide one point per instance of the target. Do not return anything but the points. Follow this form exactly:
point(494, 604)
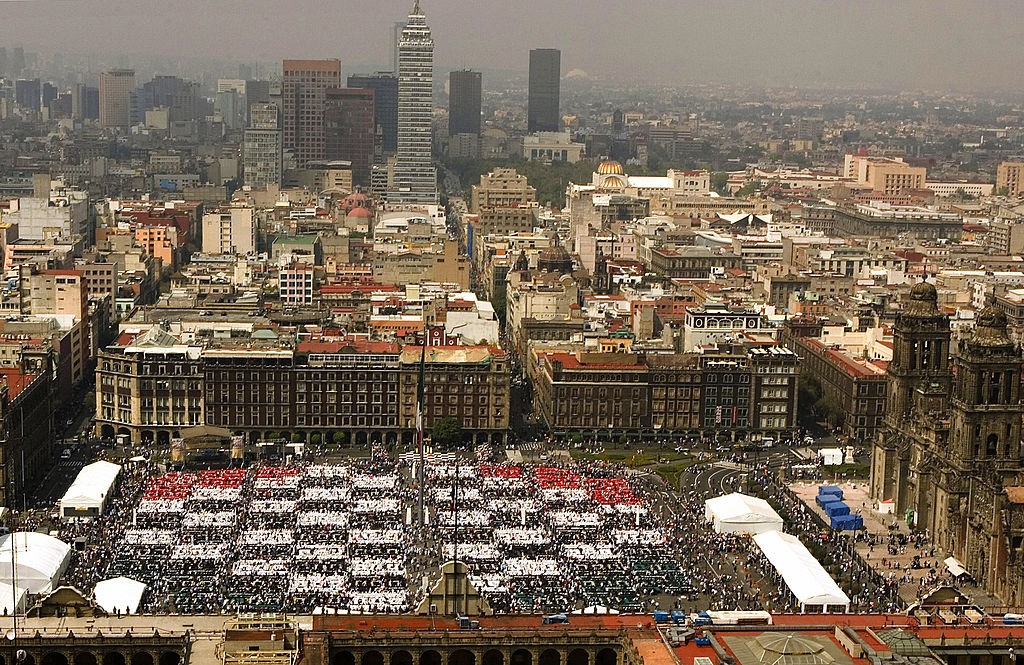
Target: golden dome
point(613, 181)
point(610, 168)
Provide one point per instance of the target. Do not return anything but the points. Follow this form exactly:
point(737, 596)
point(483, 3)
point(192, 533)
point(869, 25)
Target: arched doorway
point(493, 657)
point(376, 437)
point(521, 657)
point(113, 658)
point(391, 438)
point(343, 658)
point(462, 657)
point(578, 657)
point(430, 657)
point(107, 431)
point(142, 658)
point(54, 658)
point(606, 657)
point(406, 438)
point(401, 657)
point(29, 660)
point(85, 658)
point(549, 657)
point(163, 438)
point(373, 658)
point(360, 438)
point(170, 658)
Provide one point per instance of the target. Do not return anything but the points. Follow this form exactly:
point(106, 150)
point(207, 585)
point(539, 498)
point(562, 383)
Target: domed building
point(555, 259)
point(610, 175)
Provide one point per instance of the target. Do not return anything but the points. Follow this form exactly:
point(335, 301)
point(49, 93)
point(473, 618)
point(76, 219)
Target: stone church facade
point(949, 455)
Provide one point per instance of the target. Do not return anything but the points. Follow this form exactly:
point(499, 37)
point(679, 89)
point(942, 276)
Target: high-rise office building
point(26, 93)
point(349, 126)
point(545, 82)
point(262, 146)
point(304, 87)
point(464, 93)
point(116, 91)
point(385, 106)
point(178, 96)
point(415, 179)
point(396, 36)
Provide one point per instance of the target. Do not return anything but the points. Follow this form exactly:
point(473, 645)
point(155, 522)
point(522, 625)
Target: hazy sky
point(934, 44)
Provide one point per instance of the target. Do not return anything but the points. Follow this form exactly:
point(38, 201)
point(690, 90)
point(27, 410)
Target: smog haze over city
point(422, 332)
point(943, 45)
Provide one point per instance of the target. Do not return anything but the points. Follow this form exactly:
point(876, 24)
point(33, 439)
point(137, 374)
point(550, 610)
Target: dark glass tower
point(545, 81)
point(464, 93)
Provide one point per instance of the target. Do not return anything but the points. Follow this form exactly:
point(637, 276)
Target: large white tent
point(739, 513)
point(12, 599)
point(34, 561)
point(804, 576)
point(87, 496)
point(120, 595)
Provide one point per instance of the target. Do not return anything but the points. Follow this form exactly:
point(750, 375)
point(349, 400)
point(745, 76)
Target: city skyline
point(784, 43)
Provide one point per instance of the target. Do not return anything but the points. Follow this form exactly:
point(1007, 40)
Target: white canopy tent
point(739, 513)
point(120, 595)
point(34, 561)
point(804, 576)
point(87, 496)
point(12, 599)
point(955, 568)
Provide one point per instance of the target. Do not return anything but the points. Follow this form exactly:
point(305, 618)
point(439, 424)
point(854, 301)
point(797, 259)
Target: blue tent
point(847, 522)
point(836, 509)
point(830, 489)
point(825, 499)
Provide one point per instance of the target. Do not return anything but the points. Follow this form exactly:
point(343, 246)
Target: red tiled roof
point(16, 380)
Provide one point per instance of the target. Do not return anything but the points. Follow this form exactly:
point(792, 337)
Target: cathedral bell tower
point(986, 418)
point(985, 455)
point(920, 381)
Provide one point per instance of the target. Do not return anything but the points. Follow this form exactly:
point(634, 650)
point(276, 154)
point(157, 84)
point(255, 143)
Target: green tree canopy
point(446, 432)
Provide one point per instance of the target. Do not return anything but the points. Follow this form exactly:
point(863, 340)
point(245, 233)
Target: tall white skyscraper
point(415, 179)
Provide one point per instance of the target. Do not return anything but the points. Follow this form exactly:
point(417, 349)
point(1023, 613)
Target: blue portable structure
point(660, 616)
point(823, 499)
point(830, 489)
point(847, 522)
point(836, 508)
point(678, 616)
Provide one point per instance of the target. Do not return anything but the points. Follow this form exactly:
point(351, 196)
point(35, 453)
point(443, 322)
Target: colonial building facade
point(949, 454)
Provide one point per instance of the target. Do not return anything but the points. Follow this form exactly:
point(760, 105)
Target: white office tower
point(415, 179)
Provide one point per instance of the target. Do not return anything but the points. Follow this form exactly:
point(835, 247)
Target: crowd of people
point(348, 537)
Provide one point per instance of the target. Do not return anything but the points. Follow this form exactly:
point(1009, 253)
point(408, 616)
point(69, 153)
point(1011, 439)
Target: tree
point(338, 438)
point(446, 432)
point(315, 439)
point(296, 437)
point(720, 182)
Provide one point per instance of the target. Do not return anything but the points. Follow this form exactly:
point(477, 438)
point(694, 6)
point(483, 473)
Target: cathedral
point(949, 456)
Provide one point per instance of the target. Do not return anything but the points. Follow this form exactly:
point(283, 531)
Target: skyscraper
point(464, 92)
point(415, 180)
point(396, 39)
point(304, 87)
point(261, 146)
point(117, 88)
point(385, 105)
point(349, 127)
point(545, 81)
